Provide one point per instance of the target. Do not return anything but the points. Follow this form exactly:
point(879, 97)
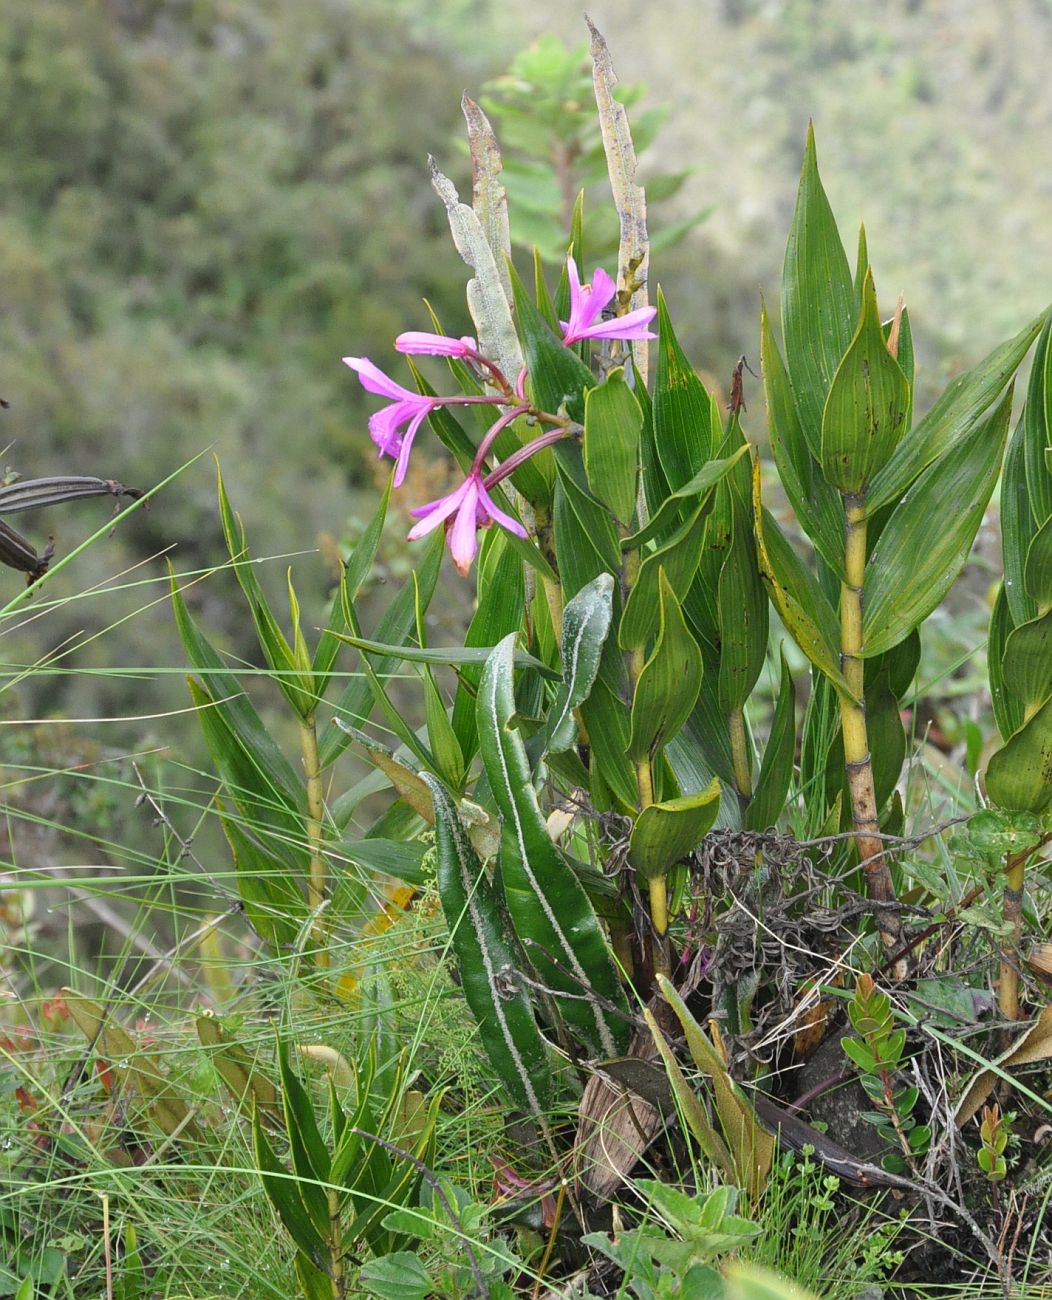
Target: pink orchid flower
point(385, 425)
point(587, 304)
point(472, 508)
point(418, 343)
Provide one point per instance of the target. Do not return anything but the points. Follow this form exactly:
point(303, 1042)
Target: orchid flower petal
point(633, 325)
point(602, 295)
point(402, 463)
point(463, 541)
point(373, 380)
point(436, 512)
point(494, 512)
point(416, 342)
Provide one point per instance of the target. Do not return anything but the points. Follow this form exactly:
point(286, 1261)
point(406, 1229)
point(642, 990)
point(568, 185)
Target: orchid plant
point(596, 726)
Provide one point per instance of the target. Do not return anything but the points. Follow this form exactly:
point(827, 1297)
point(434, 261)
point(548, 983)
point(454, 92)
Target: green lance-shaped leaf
point(613, 421)
point(952, 418)
point(743, 618)
point(487, 961)
point(1007, 706)
point(586, 623)
point(683, 428)
point(1037, 571)
point(1037, 426)
point(668, 686)
point(274, 773)
point(929, 536)
point(310, 1156)
point(549, 908)
point(558, 376)
point(864, 414)
point(357, 701)
point(776, 771)
point(238, 1068)
point(1018, 523)
point(501, 596)
point(594, 518)
point(675, 505)
point(605, 717)
point(1019, 775)
point(796, 595)
point(294, 684)
point(679, 557)
point(819, 310)
point(268, 885)
point(666, 832)
point(284, 1194)
point(1026, 666)
point(816, 502)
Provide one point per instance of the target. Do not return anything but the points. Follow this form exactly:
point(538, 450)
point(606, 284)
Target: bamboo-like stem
point(336, 1272)
point(1008, 986)
point(660, 960)
point(317, 881)
point(740, 758)
point(856, 739)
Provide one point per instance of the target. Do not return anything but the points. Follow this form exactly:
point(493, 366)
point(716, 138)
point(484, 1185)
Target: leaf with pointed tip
point(864, 413)
point(612, 424)
point(923, 546)
point(1037, 571)
point(1019, 775)
point(668, 685)
point(487, 961)
point(1027, 662)
point(776, 771)
point(693, 493)
point(816, 502)
point(796, 595)
point(558, 376)
point(683, 431)
point(953, 417)
point(679, 557)
point(1008, 709)
point(743, 616)
point(488, 199)
point(550, 910)
point(819, 311)
point(284, 1194)
point(666, 832)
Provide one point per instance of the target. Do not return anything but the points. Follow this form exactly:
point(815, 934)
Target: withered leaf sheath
point(17, 553)
point(34, 493)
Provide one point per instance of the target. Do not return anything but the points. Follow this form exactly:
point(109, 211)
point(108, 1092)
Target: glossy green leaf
point(310, 1157)
point(284, 1195)
point(550, 910)
point(743, 618)
point(1019, 776)
point(455, 656)
point(679, 557)
point(606, 719)
point(776, 771)
point(358, 567)
point(441, 738)
point(501, 590)
point(666, 832)
point(929, 536)
point(403, 859)
point(1037, 571)
point(1037, 428)
point(668, 686)
point(816, 502)
point(683, 431)
point(1007, 706)
point(819, 310)
point(900, 663)
point(586, 624)
point(297, 687)
point(557, 375)
point(274, 773)
point(269, 889)
point(613, 423)
point(1027, 663)
point(580, 562)
point(952, 418)
point(691, 494)
point(594, 518)
point(356, 702)
point(796, 595)
point(486, 958)
point(865, 411)
point(1018, 524)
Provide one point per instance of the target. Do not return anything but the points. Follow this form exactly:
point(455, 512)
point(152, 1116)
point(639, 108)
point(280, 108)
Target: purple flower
point(587, 304)
point(471, 507)
point(385, 425)
point(435, 345)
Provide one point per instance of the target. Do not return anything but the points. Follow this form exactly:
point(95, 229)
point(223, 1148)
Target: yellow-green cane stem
point(853, 723)
point(317, 881)
point(1008, 987)
point(740, 758)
